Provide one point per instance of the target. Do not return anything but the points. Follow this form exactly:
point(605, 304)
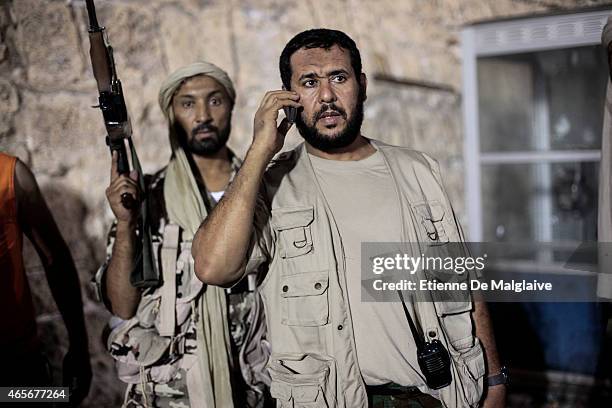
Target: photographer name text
point(494, 285)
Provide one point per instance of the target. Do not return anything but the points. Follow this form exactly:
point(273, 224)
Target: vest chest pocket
point(431, 219)
point(293, 228)
point(304, 299)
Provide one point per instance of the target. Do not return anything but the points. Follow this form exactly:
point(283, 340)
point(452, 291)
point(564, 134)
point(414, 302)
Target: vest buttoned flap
point(432, 222)
point(455, 317)
point(303, 380)
point(293, 228)
point(304, 299)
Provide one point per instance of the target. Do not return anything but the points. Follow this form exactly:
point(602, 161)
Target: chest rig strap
point(169, 253)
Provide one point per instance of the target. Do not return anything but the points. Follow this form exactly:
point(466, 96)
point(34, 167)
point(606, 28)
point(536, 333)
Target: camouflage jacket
point(137, 345)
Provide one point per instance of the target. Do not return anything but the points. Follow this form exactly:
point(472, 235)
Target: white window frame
point(516, 36)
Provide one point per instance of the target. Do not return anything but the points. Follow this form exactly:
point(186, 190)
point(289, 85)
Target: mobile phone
point(291, 114)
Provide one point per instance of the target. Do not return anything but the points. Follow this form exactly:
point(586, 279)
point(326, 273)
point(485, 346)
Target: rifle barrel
point(93, 20)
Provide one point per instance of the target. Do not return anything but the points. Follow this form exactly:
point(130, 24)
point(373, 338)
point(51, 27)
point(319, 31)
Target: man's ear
point(363, 82)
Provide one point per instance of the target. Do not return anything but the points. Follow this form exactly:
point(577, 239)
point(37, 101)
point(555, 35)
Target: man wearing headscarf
point(173, 343)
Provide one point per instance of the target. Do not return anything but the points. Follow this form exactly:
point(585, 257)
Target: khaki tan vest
point(313, 360)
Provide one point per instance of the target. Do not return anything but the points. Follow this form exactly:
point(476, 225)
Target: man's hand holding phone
point(268, 137)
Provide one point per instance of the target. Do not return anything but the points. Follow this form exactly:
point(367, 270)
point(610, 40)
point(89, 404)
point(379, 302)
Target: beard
point(203, 147)
point(343, 138)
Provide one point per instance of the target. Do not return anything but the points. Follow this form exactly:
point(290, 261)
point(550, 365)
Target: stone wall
point(46, 90)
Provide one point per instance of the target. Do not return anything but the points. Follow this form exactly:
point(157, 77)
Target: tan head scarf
point(186, 208)
point(174, 81)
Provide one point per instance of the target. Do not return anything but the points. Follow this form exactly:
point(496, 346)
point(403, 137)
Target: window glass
point(548, 100)
point(540, 202)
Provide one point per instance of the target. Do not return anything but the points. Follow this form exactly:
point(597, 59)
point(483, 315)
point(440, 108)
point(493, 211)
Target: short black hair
point(317, 38)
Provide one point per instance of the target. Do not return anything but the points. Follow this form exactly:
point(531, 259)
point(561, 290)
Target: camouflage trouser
point(171, 395)
point(396, 396)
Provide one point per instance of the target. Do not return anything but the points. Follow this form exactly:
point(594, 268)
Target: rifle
point(117, 123)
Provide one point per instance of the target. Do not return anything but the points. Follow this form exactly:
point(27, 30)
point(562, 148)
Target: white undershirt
point(217, 194)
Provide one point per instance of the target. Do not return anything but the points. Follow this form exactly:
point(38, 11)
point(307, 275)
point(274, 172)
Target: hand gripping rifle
point(117, 124)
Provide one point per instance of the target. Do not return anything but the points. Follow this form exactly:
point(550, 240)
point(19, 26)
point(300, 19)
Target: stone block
point(132, 32)
point(59, 129)
point(48, 43)
point(205, 34)
point(9, 104)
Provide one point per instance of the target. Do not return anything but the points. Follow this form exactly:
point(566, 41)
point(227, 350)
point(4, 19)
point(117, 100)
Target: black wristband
point(501, 378)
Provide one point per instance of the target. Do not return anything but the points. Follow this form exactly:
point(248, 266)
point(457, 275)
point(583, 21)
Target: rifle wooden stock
point(117, 123)
point(100, 61)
